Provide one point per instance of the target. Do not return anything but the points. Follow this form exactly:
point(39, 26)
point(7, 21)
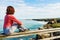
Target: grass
point(56, 25)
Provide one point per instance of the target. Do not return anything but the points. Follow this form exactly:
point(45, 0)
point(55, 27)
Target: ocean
point(30, 24)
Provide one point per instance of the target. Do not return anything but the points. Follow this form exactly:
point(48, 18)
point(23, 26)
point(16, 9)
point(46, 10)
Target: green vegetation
point(56, 25)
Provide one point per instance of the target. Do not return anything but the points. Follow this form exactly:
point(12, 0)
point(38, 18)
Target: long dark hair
point(10, 10)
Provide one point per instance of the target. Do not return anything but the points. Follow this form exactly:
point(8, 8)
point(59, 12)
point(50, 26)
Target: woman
point(9, 20)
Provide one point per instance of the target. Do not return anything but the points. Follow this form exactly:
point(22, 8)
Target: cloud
point(48, 11)
point(24, 11)
point(2, 12)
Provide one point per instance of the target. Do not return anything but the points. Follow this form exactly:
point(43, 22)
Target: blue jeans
point(9, 30)
point(6, 31)
point(12, 29)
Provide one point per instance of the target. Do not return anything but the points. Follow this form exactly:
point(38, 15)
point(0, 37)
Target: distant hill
point(58, 19)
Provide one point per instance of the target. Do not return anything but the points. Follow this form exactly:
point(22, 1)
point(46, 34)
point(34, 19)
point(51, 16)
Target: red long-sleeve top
point(9, 20)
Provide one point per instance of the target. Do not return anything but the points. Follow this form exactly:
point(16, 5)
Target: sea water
point(30, 24)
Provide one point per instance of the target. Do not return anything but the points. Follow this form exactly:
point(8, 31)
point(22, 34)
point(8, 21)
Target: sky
point(32, 9)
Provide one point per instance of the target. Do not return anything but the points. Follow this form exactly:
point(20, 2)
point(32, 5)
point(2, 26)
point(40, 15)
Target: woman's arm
point(16, 20)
